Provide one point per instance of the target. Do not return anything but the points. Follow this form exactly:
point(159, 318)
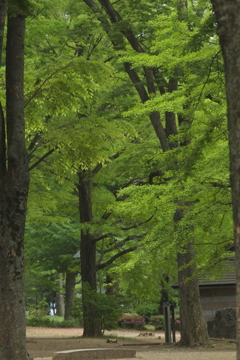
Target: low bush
point(158, 322)
point(104, 309)
point(131, 321)
point(177, 322)
point(147, 311)
point(49, 321)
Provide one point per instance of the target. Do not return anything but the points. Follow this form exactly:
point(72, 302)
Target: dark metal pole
point(173, 322)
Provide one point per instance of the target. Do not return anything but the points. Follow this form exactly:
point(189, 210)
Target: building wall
point(215, 298)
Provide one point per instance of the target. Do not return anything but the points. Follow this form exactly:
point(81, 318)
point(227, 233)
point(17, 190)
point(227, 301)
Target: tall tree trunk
point(192, 325)
point(69, 293)
point(14, 183)
point(92, 326)
point(228, 19)
point(60, 297)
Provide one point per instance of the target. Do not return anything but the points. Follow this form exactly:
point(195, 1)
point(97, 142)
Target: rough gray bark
point(69, 293)
point(14, 183)
point(228, 18)
point(192, 325)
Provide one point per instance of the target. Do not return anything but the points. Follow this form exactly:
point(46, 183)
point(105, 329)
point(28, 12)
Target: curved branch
point(139, 224)
point(118, 244)
point(41, 159)
point(110, 261)
point(43, 83)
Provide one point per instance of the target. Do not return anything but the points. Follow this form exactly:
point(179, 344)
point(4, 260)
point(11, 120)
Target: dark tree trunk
point(192, 325)
point(69, 294)
point(2, 24)
point(164, 295)
point(228, 19)
point(92, 326)
point(112, 286)
point(60, 297)
point(14, 183)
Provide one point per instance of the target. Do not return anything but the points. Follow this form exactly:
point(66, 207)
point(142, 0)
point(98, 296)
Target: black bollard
point(173, 322)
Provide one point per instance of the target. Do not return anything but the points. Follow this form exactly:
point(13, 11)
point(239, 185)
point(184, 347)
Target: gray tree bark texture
point(228, 19)
point(192, 324)
point(14, 183)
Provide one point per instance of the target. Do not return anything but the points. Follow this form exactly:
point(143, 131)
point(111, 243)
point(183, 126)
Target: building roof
point(228, 279)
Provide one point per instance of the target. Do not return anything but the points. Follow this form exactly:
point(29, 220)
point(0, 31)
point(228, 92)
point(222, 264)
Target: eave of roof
point(229, 279)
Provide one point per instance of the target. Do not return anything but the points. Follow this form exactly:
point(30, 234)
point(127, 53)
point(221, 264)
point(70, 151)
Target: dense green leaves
point(83, 113)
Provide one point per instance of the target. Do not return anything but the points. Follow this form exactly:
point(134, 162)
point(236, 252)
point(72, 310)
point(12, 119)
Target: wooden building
point(219, 293)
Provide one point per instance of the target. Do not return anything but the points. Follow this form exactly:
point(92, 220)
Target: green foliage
point(147, 311)
point(50, 321)
point(19, 7)
point(81, 106)
point(76, 312)
point(158, 322)
point(106, 308)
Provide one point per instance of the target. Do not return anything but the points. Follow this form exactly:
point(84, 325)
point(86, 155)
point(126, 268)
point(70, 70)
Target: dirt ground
point(44, 342)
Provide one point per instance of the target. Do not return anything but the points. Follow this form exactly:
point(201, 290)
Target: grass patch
point(50, 321)
point(149, 327)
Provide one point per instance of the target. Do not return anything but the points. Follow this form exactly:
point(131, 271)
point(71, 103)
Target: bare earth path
point(44, 342)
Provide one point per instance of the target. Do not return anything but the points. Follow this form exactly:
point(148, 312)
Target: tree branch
point(223, 186)
point(110, 261)
point(119, 45)
point(43, 83)
point(118, 244)
point(101, 237)
point(139, 224)
point(41, 159)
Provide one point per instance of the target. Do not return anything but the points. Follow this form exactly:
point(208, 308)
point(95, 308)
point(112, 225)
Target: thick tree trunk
point(14, 182)
point(60, 297)
point(69, 293)
point(92, 326)
point(192, 325)
point(228, 19)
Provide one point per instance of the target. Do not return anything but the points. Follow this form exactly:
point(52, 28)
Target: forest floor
point(42, 343)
